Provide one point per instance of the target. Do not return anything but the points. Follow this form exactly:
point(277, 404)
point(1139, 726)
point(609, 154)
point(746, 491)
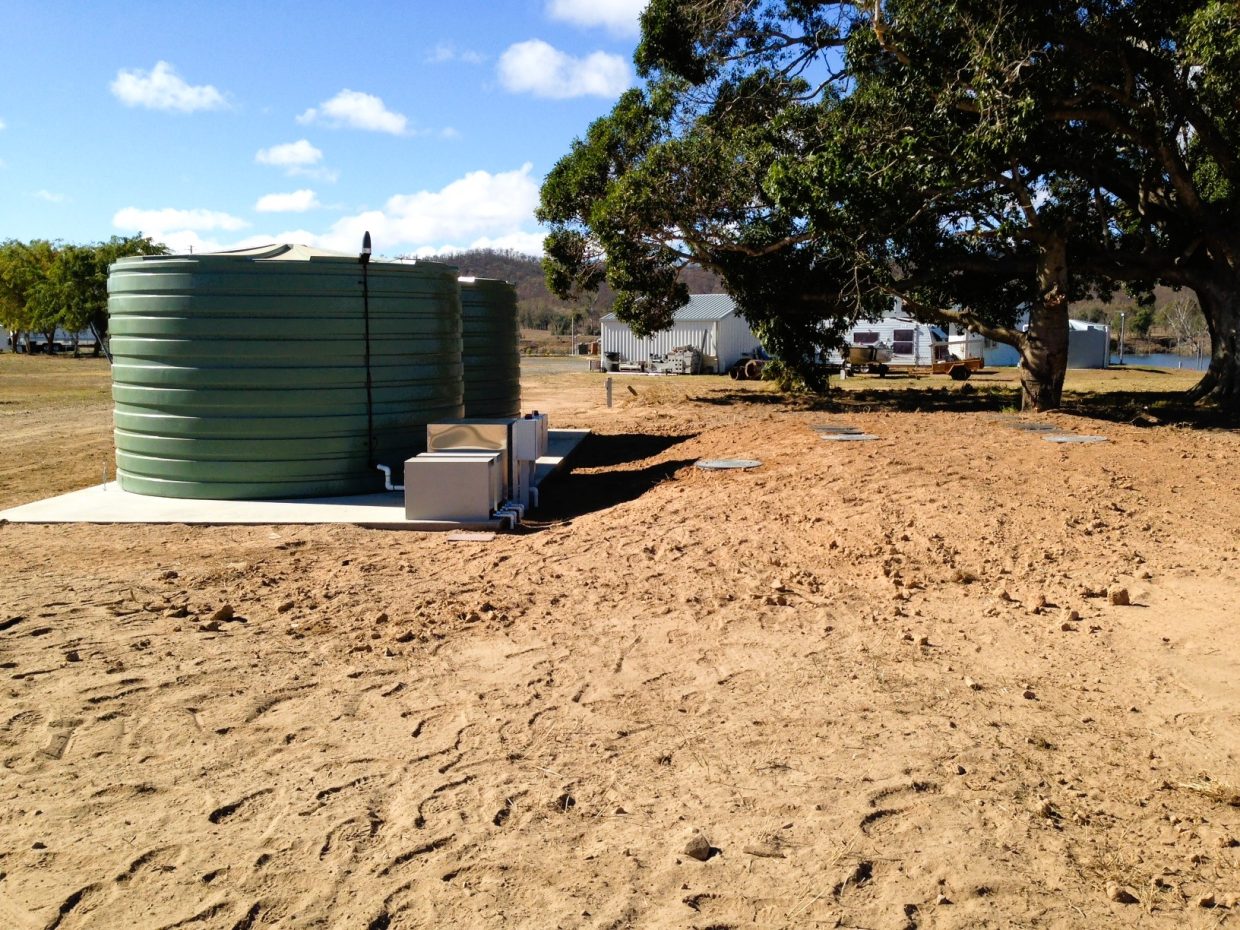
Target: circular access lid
point(726, 464)
point(1067, 437)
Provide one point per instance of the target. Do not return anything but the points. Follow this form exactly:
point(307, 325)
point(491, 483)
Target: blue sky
point(226, 124)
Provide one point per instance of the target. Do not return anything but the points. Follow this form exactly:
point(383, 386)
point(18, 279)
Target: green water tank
point(242, 376)
point(492, 348)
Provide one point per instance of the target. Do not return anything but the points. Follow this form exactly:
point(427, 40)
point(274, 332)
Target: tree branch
point(1005, 334)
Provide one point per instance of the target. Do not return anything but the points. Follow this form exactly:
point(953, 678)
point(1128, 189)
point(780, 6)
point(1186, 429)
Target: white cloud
point(295, 202)
point(3, 125)
point(151, 220)
point(540, 69)
point(182, 241)
point(299, 154)
point(298, 159)
point(353, 109)
point(162, 88)
point(445, 52)
point(479, 210)
point(619, 16)
point(49, 196)
point(178, 229)
point(478, 206)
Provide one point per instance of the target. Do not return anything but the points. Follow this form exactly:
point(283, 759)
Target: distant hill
point(538, 307)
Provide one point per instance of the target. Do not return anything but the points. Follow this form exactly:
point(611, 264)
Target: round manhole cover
point(848, 437)
point(726, 464)
point(1064, 437)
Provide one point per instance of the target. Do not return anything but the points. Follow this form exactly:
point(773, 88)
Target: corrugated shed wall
point(616, 337)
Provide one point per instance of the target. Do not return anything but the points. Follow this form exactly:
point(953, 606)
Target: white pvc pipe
point(387, 479)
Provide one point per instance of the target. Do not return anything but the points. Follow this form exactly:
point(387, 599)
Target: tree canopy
point(45, 286)
point(979, 162)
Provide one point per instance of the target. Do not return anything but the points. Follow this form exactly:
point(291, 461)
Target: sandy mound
point(867, 684)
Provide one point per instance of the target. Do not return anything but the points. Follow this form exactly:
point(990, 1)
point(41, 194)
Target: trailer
point(874, 358)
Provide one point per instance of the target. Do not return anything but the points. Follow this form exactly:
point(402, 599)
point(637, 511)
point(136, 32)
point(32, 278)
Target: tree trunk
point(1220, 303)
point(1044, 347)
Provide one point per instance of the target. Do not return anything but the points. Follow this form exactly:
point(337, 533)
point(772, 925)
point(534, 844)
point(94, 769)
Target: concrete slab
point(107, 503)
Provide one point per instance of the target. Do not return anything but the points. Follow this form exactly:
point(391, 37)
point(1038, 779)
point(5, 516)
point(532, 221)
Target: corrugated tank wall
point(492, 348)
point(244, 376)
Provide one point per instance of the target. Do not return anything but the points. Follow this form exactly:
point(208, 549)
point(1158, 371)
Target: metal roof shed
point(708, 322)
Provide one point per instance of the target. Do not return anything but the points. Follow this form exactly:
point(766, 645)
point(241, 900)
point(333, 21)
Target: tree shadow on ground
point(576, 492)
point(1141, 408)
point(940, 399)
point(1148, 408)
point(729, 398)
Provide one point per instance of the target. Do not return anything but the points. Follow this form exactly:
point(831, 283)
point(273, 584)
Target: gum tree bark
point(1044, 345)
point(1220, 303)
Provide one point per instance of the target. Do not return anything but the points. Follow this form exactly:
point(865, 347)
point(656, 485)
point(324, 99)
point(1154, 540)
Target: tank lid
point(286, 252)
point(290, 252)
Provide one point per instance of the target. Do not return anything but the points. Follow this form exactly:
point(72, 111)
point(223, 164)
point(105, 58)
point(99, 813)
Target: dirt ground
point(875, 685)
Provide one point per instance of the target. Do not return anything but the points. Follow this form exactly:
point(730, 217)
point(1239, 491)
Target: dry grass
point(1078, 380)
point(38, 382)
point(1220, 792)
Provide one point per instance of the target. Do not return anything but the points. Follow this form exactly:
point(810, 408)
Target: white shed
point(709, 323)
point(1088, 345)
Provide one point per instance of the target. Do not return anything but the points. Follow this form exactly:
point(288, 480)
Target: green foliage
point(801, 379)
point(49, 285)
point(25, 298)
point(1142, 319)
point(977, 160)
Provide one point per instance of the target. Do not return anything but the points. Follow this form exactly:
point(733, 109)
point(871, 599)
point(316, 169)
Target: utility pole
point(1121, 336)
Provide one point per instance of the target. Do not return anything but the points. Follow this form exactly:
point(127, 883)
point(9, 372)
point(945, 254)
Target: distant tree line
point(537, 307)
point(45, 285)
point(1172, 320)
point(49, 285)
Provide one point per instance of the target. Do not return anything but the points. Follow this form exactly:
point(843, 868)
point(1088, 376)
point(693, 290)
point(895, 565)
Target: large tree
point(975, 160)
point(45, 286)
point(1162, 79)
point(25, 297)
point(670, 179)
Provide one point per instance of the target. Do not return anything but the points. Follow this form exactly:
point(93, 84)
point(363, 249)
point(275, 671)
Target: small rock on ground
point(1119, 894)
point(698, 847)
